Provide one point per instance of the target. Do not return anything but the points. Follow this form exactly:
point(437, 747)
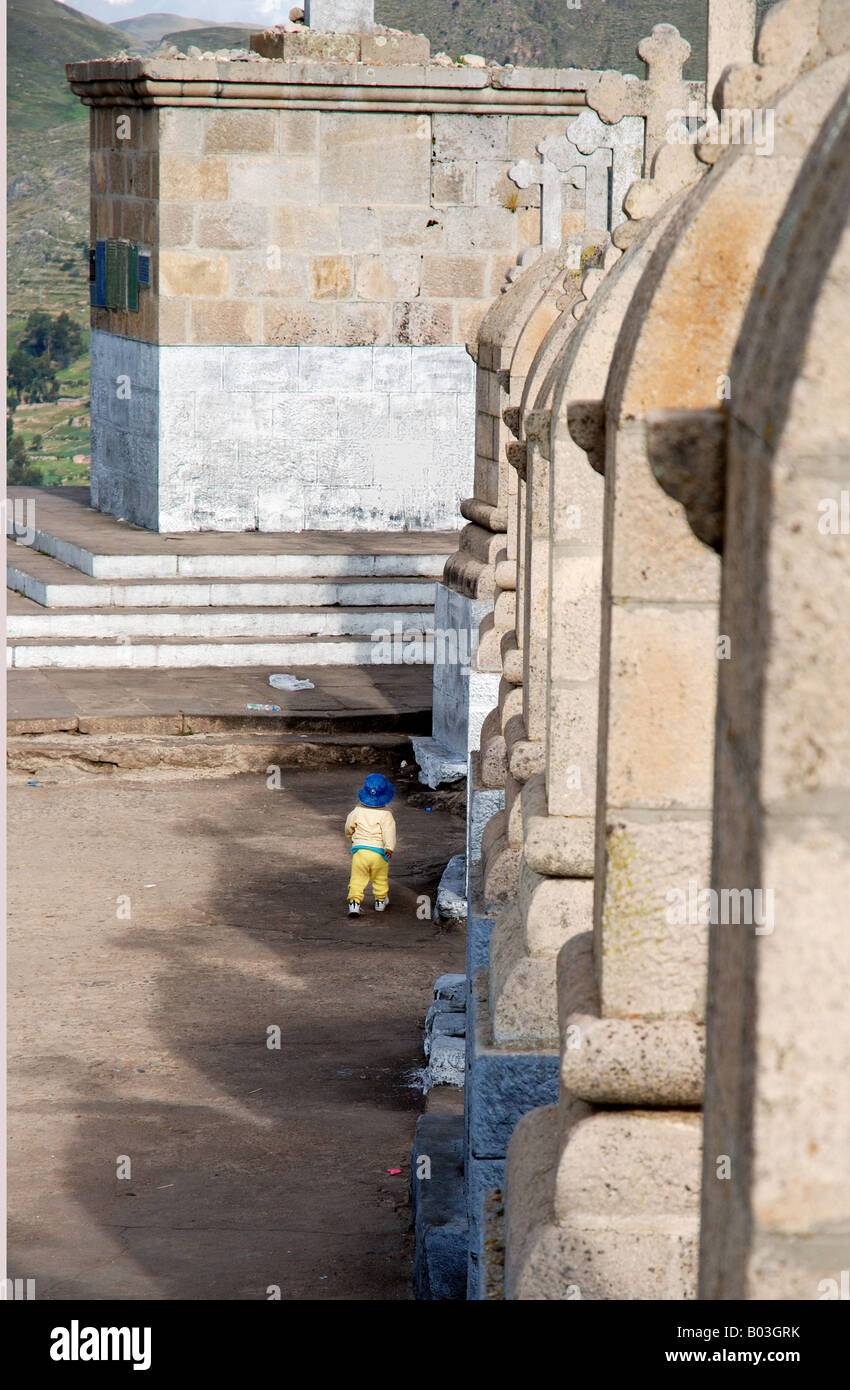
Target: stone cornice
point(331, 86)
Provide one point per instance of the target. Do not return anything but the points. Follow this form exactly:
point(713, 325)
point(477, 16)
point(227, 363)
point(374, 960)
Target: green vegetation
point(212, 36)
point(60, 338)
point(46, 346)
point(47, 195)
point(48, 240)
point(19, 471)
point(42, 37)
point(47, 396)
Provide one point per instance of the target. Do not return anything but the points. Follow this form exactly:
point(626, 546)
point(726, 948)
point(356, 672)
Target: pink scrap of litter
point(394, 1171)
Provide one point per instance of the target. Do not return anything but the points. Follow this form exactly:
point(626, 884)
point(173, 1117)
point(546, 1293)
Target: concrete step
point(64, 757)
point(59, 523)
point(278, 653)
point(262, 623)
point(387, 697)
point(53, 584)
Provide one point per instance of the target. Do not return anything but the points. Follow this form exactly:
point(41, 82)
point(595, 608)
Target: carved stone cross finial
point(589, 135)
point(552, 175)
point(661, 93)
point(648, 143)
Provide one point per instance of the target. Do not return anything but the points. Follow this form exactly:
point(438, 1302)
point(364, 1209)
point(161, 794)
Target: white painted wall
point(281, 439)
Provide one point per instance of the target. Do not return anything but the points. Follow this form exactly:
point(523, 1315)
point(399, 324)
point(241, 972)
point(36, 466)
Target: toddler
point(371, 829)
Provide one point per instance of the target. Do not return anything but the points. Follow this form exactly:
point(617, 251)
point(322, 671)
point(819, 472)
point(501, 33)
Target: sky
point(261, 12)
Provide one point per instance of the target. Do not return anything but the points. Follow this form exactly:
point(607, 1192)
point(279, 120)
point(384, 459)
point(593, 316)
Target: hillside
point(212, 37)
point(150, 28)
point(42, 37)
point(48, 154)
point(602, 34)
point(47, 202)
point(546, 33)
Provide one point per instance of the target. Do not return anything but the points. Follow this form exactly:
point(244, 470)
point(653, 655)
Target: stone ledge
point(468, 576)
point(555, 846)
point(569, 83)
point(485, 514)
point(623, 1061)
point(438, 764)
point(322, 84)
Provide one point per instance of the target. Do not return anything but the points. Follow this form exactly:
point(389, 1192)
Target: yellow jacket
point(371, 826)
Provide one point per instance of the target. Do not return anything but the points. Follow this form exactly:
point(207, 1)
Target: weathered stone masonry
point(693, 400)
point(326, 234)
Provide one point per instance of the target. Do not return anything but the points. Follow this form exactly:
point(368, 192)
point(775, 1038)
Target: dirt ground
point(144, 1038)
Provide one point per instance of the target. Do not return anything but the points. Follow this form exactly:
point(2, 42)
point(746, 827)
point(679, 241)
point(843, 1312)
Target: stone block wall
point(298, 227)
point(124, 202)
point(328, 207)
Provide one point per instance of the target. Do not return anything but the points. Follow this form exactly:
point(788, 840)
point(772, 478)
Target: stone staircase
point(89, 591)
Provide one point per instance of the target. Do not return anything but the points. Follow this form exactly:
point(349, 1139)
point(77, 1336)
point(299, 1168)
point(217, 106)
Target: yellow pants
point(366, 864)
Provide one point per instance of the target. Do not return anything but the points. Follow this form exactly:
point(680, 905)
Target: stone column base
point(609, 1211)
point(501, 1085)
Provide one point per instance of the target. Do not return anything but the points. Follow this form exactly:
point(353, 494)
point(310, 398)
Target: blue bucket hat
point(376, 791)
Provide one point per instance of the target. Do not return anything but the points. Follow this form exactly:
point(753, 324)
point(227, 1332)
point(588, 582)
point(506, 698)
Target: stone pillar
point(553, 745)
point(776, 1175)
point(631, 1001)
point(340, 16)
point(477, 593)
point(518, 1014)
point(513, 1049)
point(522, 726)
point(731, 34)
point(516, 325)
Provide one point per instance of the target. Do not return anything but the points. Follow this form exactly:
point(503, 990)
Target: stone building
point(666, 564)
point(326, 219)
